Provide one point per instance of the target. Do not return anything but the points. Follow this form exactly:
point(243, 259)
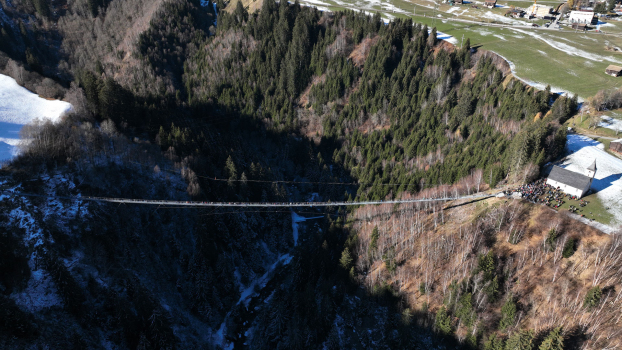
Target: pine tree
point(42, 7)
point(569, 248)
point(592, 298)
point(553, 341)
point(494, 343)
point(443, 321)
point(508, 314)
point(373, 244)
point(522, 340)
point(346, 259)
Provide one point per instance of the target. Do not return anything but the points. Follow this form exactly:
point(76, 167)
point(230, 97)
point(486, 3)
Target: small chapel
point(575, 184)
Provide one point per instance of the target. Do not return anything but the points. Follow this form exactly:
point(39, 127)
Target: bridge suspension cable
point(196, 204)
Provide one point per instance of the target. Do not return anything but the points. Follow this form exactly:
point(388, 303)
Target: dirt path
point(597, 136)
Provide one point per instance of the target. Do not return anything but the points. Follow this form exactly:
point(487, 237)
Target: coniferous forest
point(184, 101)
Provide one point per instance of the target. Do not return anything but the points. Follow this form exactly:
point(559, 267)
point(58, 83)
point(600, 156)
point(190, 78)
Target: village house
point(614, 71)
point(539, 11)
point(616, 146)
point(583, 17)
point(574, 184)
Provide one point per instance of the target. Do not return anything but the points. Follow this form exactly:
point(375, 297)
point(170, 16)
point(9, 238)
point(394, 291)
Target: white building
point(583, 17)
point(574, 184)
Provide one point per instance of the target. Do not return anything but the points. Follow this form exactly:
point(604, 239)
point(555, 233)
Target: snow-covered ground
point(18, 107)
point(608, 179)
point(611, 123)
point(297, 219)
point(251, 290)
point(41, 292)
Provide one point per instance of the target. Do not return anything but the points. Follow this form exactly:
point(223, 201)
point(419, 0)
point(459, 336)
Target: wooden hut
point(616, 146)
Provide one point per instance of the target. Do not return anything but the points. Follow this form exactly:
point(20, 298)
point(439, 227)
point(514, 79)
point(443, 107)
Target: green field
point(568, 61)
point(594, 210)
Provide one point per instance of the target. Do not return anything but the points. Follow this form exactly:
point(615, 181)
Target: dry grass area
point(303, 100)
point(361, 51)
point(434, 249)
point(250, 5)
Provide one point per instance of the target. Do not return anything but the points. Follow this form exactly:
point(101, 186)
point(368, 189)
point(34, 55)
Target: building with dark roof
point(616, 146)
point(575, 184)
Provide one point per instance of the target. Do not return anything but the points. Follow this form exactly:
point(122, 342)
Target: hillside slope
point(489, 270)
point(284, 104)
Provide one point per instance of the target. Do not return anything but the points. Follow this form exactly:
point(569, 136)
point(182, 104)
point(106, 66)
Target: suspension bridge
point(197, 204)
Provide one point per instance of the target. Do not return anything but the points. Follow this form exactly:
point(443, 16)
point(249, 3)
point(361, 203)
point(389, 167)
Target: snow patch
point(297, 219)
point(19, 107)
point(261, 282)
point(611, 123)
point(570, 50)
point(40, 293)
point(608, 179)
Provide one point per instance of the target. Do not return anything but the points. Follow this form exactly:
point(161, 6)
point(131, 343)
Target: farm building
point(539, 11)
point(574, 184)
point(584, 17)
point(614, 71)
point(490, 3)
point(616, 146)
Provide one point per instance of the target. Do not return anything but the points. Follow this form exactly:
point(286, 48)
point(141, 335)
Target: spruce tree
point(346, 259)
point(494, 342)
point(508, 314)
point(553, 341)
point(443, 321)
point(522, 340)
